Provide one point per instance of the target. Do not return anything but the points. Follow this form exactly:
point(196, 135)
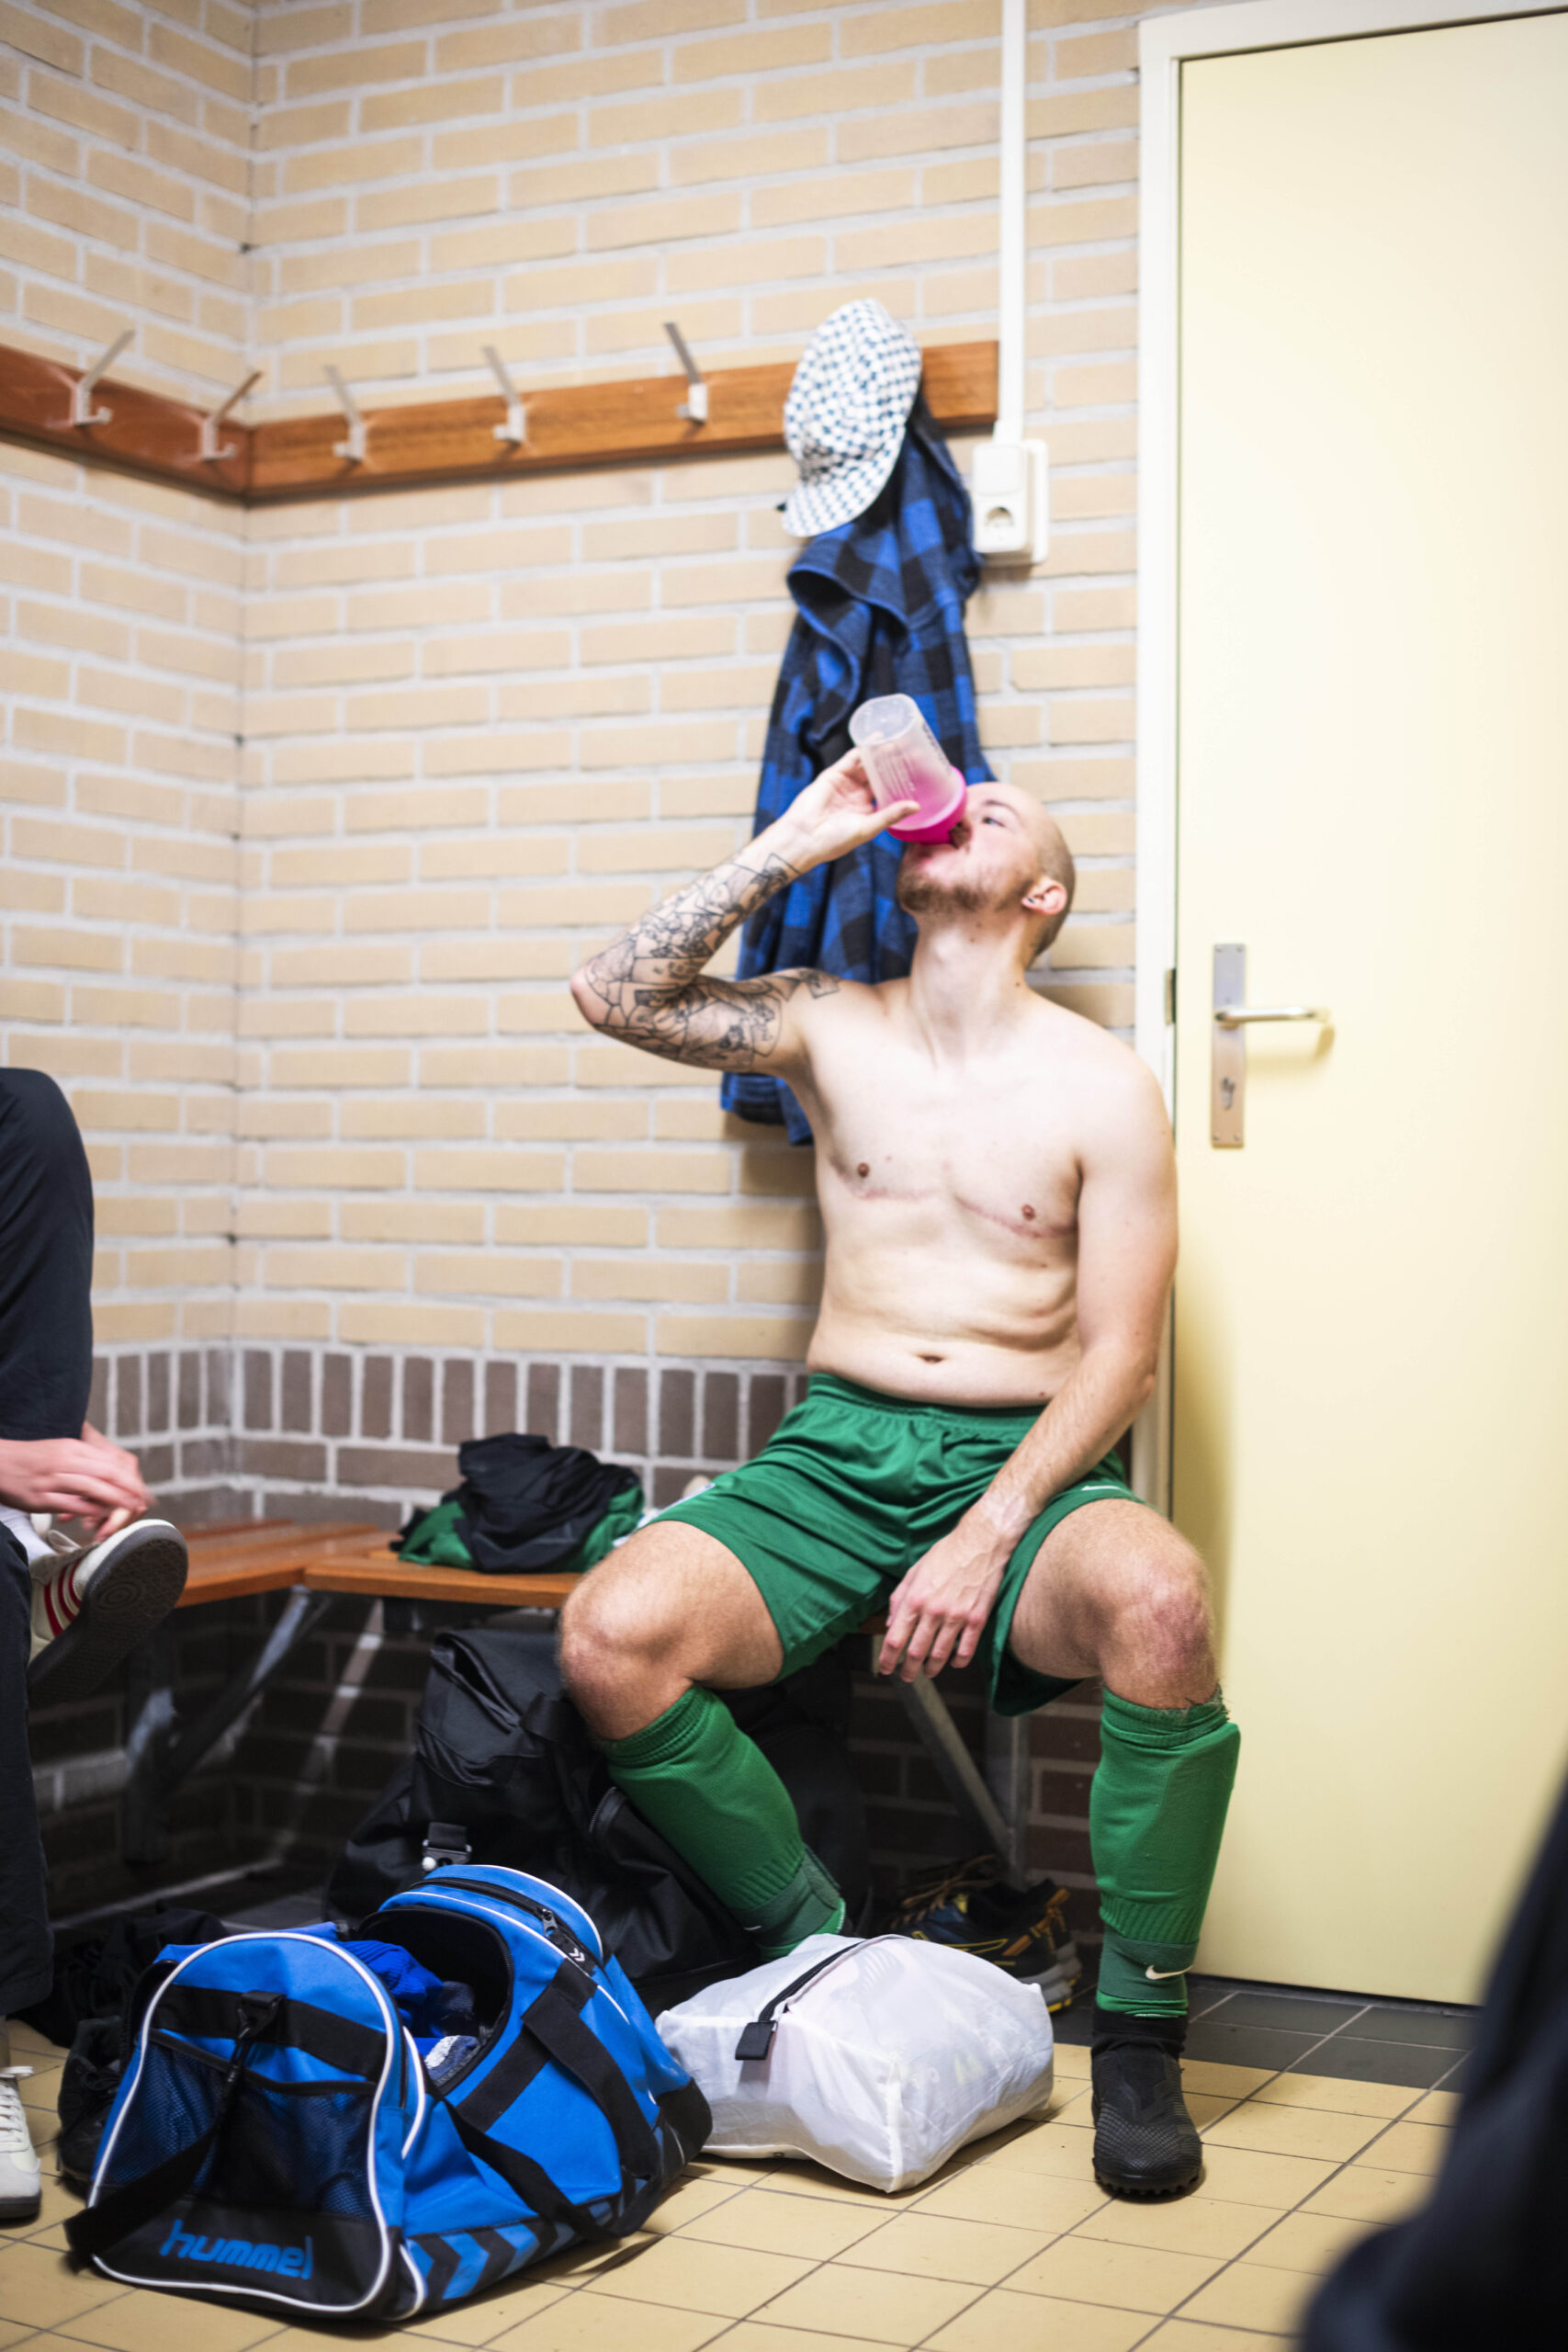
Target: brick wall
point(125, 162)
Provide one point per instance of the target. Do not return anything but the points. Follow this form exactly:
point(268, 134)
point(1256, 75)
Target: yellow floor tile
point(594, 2323)
point(1206, 2075)
point(1340, 2097)
point(1036, 2324)
point(1410, 2147)
point(1184, 2225)
point(1369, 2193)
point(1251, 2295)
point(729, 2281)
point(836, 2301)
point(483, 2317)
point(1055, 2149)
point(1184, 2336)
point(1021, 2201)
point(1129, 2278)
point(1294, 2131)
point(151, 2322)
point(815, 2180)
point(756, 2335)
point(690, 2200)
point(41, 2288)
point(813, 2228)
point(12, 2331)
point(1072, 2063)
point(1438, 2107)
point(1307, 2242)
point(40, 2088)
point(29, 2045)
point(1249, 2176)
point(924, 2245)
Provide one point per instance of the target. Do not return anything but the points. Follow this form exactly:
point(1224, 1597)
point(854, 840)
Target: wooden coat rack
point(630, 423)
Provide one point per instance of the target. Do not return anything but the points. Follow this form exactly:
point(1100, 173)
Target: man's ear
point(1047, 897)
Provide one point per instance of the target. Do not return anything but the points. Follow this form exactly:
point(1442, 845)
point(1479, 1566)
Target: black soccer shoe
point(1146, 2144)
point(1024, 1932)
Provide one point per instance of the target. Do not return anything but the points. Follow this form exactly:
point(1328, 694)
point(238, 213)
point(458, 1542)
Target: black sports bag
point(503, 1758)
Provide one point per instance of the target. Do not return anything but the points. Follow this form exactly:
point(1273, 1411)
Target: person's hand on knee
point(86, 1477)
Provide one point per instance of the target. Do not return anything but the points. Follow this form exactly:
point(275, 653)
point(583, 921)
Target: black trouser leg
point(46, 1262)
point(25, 1941)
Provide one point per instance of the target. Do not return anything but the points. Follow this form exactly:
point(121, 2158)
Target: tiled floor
point(1320, 2120)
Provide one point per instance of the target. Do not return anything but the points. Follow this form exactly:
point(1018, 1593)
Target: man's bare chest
point(902, 1144)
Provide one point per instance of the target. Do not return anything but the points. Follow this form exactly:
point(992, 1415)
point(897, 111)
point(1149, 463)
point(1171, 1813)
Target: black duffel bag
point(502, 1755)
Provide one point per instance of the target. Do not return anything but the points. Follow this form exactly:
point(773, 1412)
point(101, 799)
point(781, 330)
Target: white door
point(1371, 1315)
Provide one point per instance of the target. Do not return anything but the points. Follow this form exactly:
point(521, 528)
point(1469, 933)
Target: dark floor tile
point(1430, 2028)
point(1287, 2012)
point(1245, 2046)
point(1075, 2025)
point(1377, 2061)
point(1456, 2079)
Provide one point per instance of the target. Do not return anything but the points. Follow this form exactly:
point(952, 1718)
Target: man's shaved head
point(1055, 860)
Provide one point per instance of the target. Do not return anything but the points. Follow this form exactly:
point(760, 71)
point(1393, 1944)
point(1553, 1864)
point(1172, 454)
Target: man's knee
point(1161, 1610)
point(614, 1632)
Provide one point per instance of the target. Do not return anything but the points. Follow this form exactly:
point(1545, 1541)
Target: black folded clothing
point(526, 1504)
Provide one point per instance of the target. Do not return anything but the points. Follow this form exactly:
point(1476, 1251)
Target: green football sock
point(712, 1793)
point(1156, 1811)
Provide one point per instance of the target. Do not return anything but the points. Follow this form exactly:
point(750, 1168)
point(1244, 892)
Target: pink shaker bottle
point(905, 762)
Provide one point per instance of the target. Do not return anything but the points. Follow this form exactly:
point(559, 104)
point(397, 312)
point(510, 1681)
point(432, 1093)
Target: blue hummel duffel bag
point(276, 2137)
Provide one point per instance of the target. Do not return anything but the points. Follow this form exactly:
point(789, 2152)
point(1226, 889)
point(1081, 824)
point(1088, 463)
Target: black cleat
point(1146, 2144)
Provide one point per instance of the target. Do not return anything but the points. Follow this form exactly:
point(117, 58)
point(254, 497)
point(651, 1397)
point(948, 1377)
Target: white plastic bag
point(896, 2053)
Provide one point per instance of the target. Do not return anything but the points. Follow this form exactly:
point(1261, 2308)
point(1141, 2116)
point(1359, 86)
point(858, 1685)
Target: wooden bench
point(316, 1563)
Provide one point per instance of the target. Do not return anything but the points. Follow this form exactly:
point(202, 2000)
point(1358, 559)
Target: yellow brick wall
point(125, 167)
point(485, 727)
point(117, 889)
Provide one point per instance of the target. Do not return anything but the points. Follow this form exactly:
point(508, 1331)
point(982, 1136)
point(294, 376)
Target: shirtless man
point(998, 1188)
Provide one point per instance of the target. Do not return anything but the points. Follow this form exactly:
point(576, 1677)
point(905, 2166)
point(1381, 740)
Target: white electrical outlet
point(1008, 485)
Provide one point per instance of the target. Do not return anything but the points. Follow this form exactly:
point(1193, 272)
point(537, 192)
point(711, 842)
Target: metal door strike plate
point(1227, 1093)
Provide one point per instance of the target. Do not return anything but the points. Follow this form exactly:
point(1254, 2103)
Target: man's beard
point(920, 891)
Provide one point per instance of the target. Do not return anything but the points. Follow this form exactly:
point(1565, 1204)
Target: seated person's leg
point(25, 1943)
point(92, 1601)
point(646, 1640)
point(1115, 1591)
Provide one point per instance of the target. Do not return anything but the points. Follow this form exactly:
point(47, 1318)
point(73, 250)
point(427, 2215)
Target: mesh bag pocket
point(282, 2148)
point(305, 2150)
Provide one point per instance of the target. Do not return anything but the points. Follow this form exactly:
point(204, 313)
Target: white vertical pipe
point(1010, 356)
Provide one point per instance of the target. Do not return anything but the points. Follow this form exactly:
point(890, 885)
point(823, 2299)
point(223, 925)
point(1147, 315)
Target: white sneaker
point(92, 1603)
point(21, 2186)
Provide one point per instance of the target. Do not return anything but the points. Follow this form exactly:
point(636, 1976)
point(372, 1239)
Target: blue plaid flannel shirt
point(880, 611)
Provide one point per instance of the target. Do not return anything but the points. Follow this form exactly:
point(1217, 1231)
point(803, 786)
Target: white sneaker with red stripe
point(92, 1603)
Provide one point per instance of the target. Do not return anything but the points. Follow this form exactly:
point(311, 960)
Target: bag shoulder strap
point(552, 2026)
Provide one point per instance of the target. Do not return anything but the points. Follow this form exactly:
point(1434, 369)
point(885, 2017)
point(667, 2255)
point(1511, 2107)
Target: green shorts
point(850, 1490)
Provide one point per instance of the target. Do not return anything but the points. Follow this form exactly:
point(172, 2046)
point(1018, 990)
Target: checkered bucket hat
point(845, 415)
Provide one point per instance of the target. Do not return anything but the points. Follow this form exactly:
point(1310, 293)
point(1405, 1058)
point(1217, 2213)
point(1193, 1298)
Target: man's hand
point(836, 813)
point(939, 1611)
point(86, 1477)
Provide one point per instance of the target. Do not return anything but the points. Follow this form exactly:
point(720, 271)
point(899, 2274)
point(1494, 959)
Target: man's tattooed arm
point(648, 986)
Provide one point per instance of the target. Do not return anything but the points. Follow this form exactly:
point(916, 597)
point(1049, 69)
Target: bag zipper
point(558, 1933)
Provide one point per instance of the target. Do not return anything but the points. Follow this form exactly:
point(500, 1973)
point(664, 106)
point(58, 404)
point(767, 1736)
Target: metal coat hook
point(212, 450)
point(514, 432)
point(695, 404)
point(82, 409)
point(354, 449)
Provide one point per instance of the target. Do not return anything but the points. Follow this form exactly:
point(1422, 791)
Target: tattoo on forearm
point(650, 980)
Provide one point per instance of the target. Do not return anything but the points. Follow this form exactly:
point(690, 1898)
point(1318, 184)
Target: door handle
point(1233, 1016)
